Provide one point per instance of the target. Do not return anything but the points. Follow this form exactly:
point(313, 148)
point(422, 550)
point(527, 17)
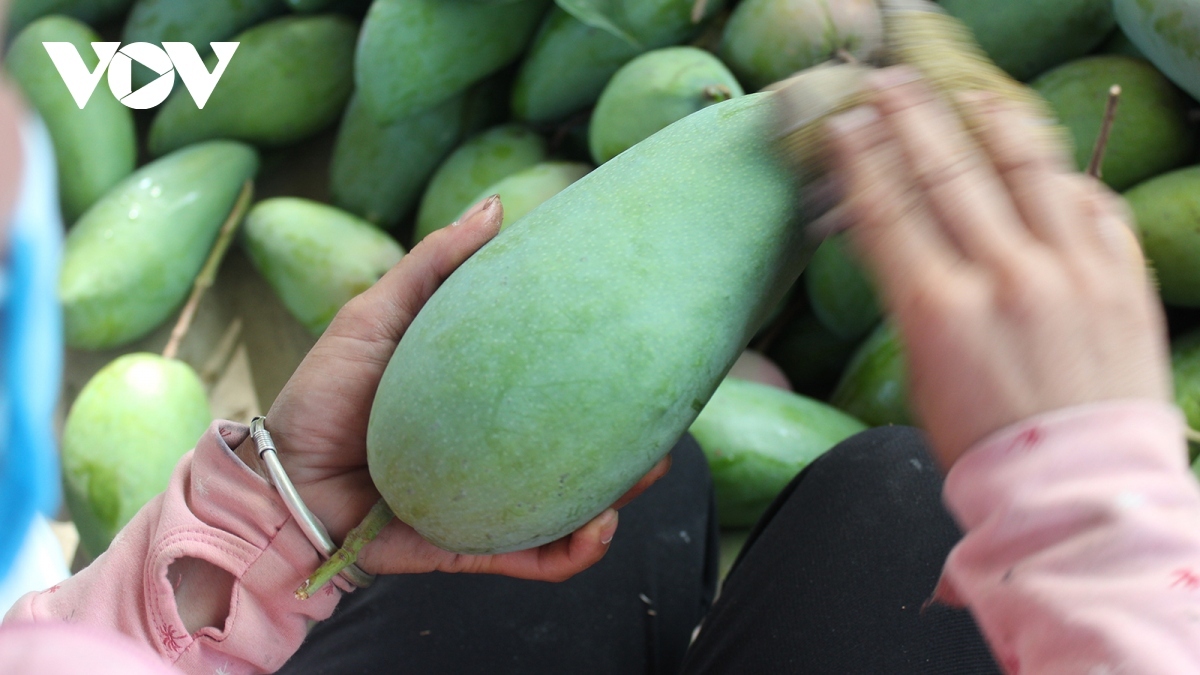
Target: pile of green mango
point(650, 233)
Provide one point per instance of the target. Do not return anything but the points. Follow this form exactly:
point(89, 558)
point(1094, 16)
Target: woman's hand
point(319, 420)
point(1015, 283)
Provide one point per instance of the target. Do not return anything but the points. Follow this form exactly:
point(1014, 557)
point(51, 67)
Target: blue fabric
point(30, 348)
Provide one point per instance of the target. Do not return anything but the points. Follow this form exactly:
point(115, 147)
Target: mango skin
point(1185, 372)
point(1151, 133)
point(566, 357)
point(842, 296)
point(653, 91)
point(414, 54)
point(24, 12)
point(874, 387)
point(123, 436)
point(1167, 210)
point(570, 62)
point(528, 189)
point(94, 148)
point(131, 259)
point(290, 78)
point(1028, 37)
point(476, 164)
point(756, 438)
point(768, 40)
point(316, 257)
point(1168, 33)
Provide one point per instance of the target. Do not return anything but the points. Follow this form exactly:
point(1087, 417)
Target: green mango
point(24, 12)
point(811, 356)
point(290, 78)
point(1151, 133)
point(874, 387)
point(415, 54)
point(528, 189)
point(95, 147)
point(1168, 33)
point(1185, 371)
point(196, 21)
point(569, 62)
point(1028, 37)
point(309, 5)
point(566, 357)
point(123, 436)
point(768, 40)
point(653, 91)
point(1167, 211)
point(316, 257)
point(756, 438)
point(131, 259)
point(841, 295)
point(475, 165)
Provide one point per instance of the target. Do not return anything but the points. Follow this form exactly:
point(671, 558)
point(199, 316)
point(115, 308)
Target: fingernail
point(820, 197)
point(482, 207)
point(608, 526)
point(895, 76)
point(855, 120)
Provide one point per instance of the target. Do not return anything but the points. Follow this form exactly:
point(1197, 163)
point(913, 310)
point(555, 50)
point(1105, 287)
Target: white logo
point(118, 61)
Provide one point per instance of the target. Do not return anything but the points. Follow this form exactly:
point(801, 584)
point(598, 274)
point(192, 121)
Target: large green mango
point(768, 40)
point(24, 12)
point(570, 61)
point(1150, 135)
point(842, 296)
point(1168, 33)
point(756, 438)
point(566, 357)
point(196, 21)
point(290, 78)
point(122, 439)
point(414, 54)
point(131, 259)
point(1167, 210)
point(653, 91)
point(528, 189)
point(1028, 37)
point(874, 387)
point(95, 147)
point(476, 164)
point(316, 257)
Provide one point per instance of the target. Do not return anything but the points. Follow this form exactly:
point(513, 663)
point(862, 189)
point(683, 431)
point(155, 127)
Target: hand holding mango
point(319, 421)
point(1008, 275)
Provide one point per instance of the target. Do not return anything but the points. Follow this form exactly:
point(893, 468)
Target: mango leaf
point(607, 15)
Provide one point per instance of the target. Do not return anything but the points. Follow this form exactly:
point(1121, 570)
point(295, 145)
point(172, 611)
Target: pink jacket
point(1082, 555)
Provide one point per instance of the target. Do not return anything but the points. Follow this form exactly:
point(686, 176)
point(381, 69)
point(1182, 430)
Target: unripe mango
point(94, 148)
point(290, 78)
point(565, 358)
point(316, 257)
point(476, 164)
point(768, 40)
point(1151, 134)
point(1029, 37)
point(1167, 211)
point(123, 437)
point(757, 438)
point(131, 259)
point(415, 54)
point(1168, 33)
point(1185, 372)
point(841, 295)
point(526, 190)
point(24, 12)
point(653, 91)
point(874, 387)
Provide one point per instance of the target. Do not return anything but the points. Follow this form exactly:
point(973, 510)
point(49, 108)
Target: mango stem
point(699, 9)
point(1110, 114)
point(208, 273)
point(362, 534)
point(717, 93)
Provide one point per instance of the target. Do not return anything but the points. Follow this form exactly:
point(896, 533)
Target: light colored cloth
point(1082, 554)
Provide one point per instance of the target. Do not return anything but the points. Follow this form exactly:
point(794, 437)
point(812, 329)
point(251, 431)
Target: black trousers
point(833, 579)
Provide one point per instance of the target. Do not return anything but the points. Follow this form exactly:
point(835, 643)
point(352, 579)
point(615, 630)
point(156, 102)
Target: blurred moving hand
point(1015, 283)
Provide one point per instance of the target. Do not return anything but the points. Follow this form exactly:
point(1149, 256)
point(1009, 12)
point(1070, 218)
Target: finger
point(1111, 224)
point(659, 470)
point(962, 188)
point(559, 560)
point(1037, 178)
point(382, 313)
point(895, 234)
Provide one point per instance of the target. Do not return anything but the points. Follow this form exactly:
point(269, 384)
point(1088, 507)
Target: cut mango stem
point(379, 516)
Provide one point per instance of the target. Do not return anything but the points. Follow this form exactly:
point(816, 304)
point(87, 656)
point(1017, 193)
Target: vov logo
point(118, 61)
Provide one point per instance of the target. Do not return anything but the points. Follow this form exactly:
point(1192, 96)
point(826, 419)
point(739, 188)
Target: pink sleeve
point(218, 510)
point(1082, 546)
